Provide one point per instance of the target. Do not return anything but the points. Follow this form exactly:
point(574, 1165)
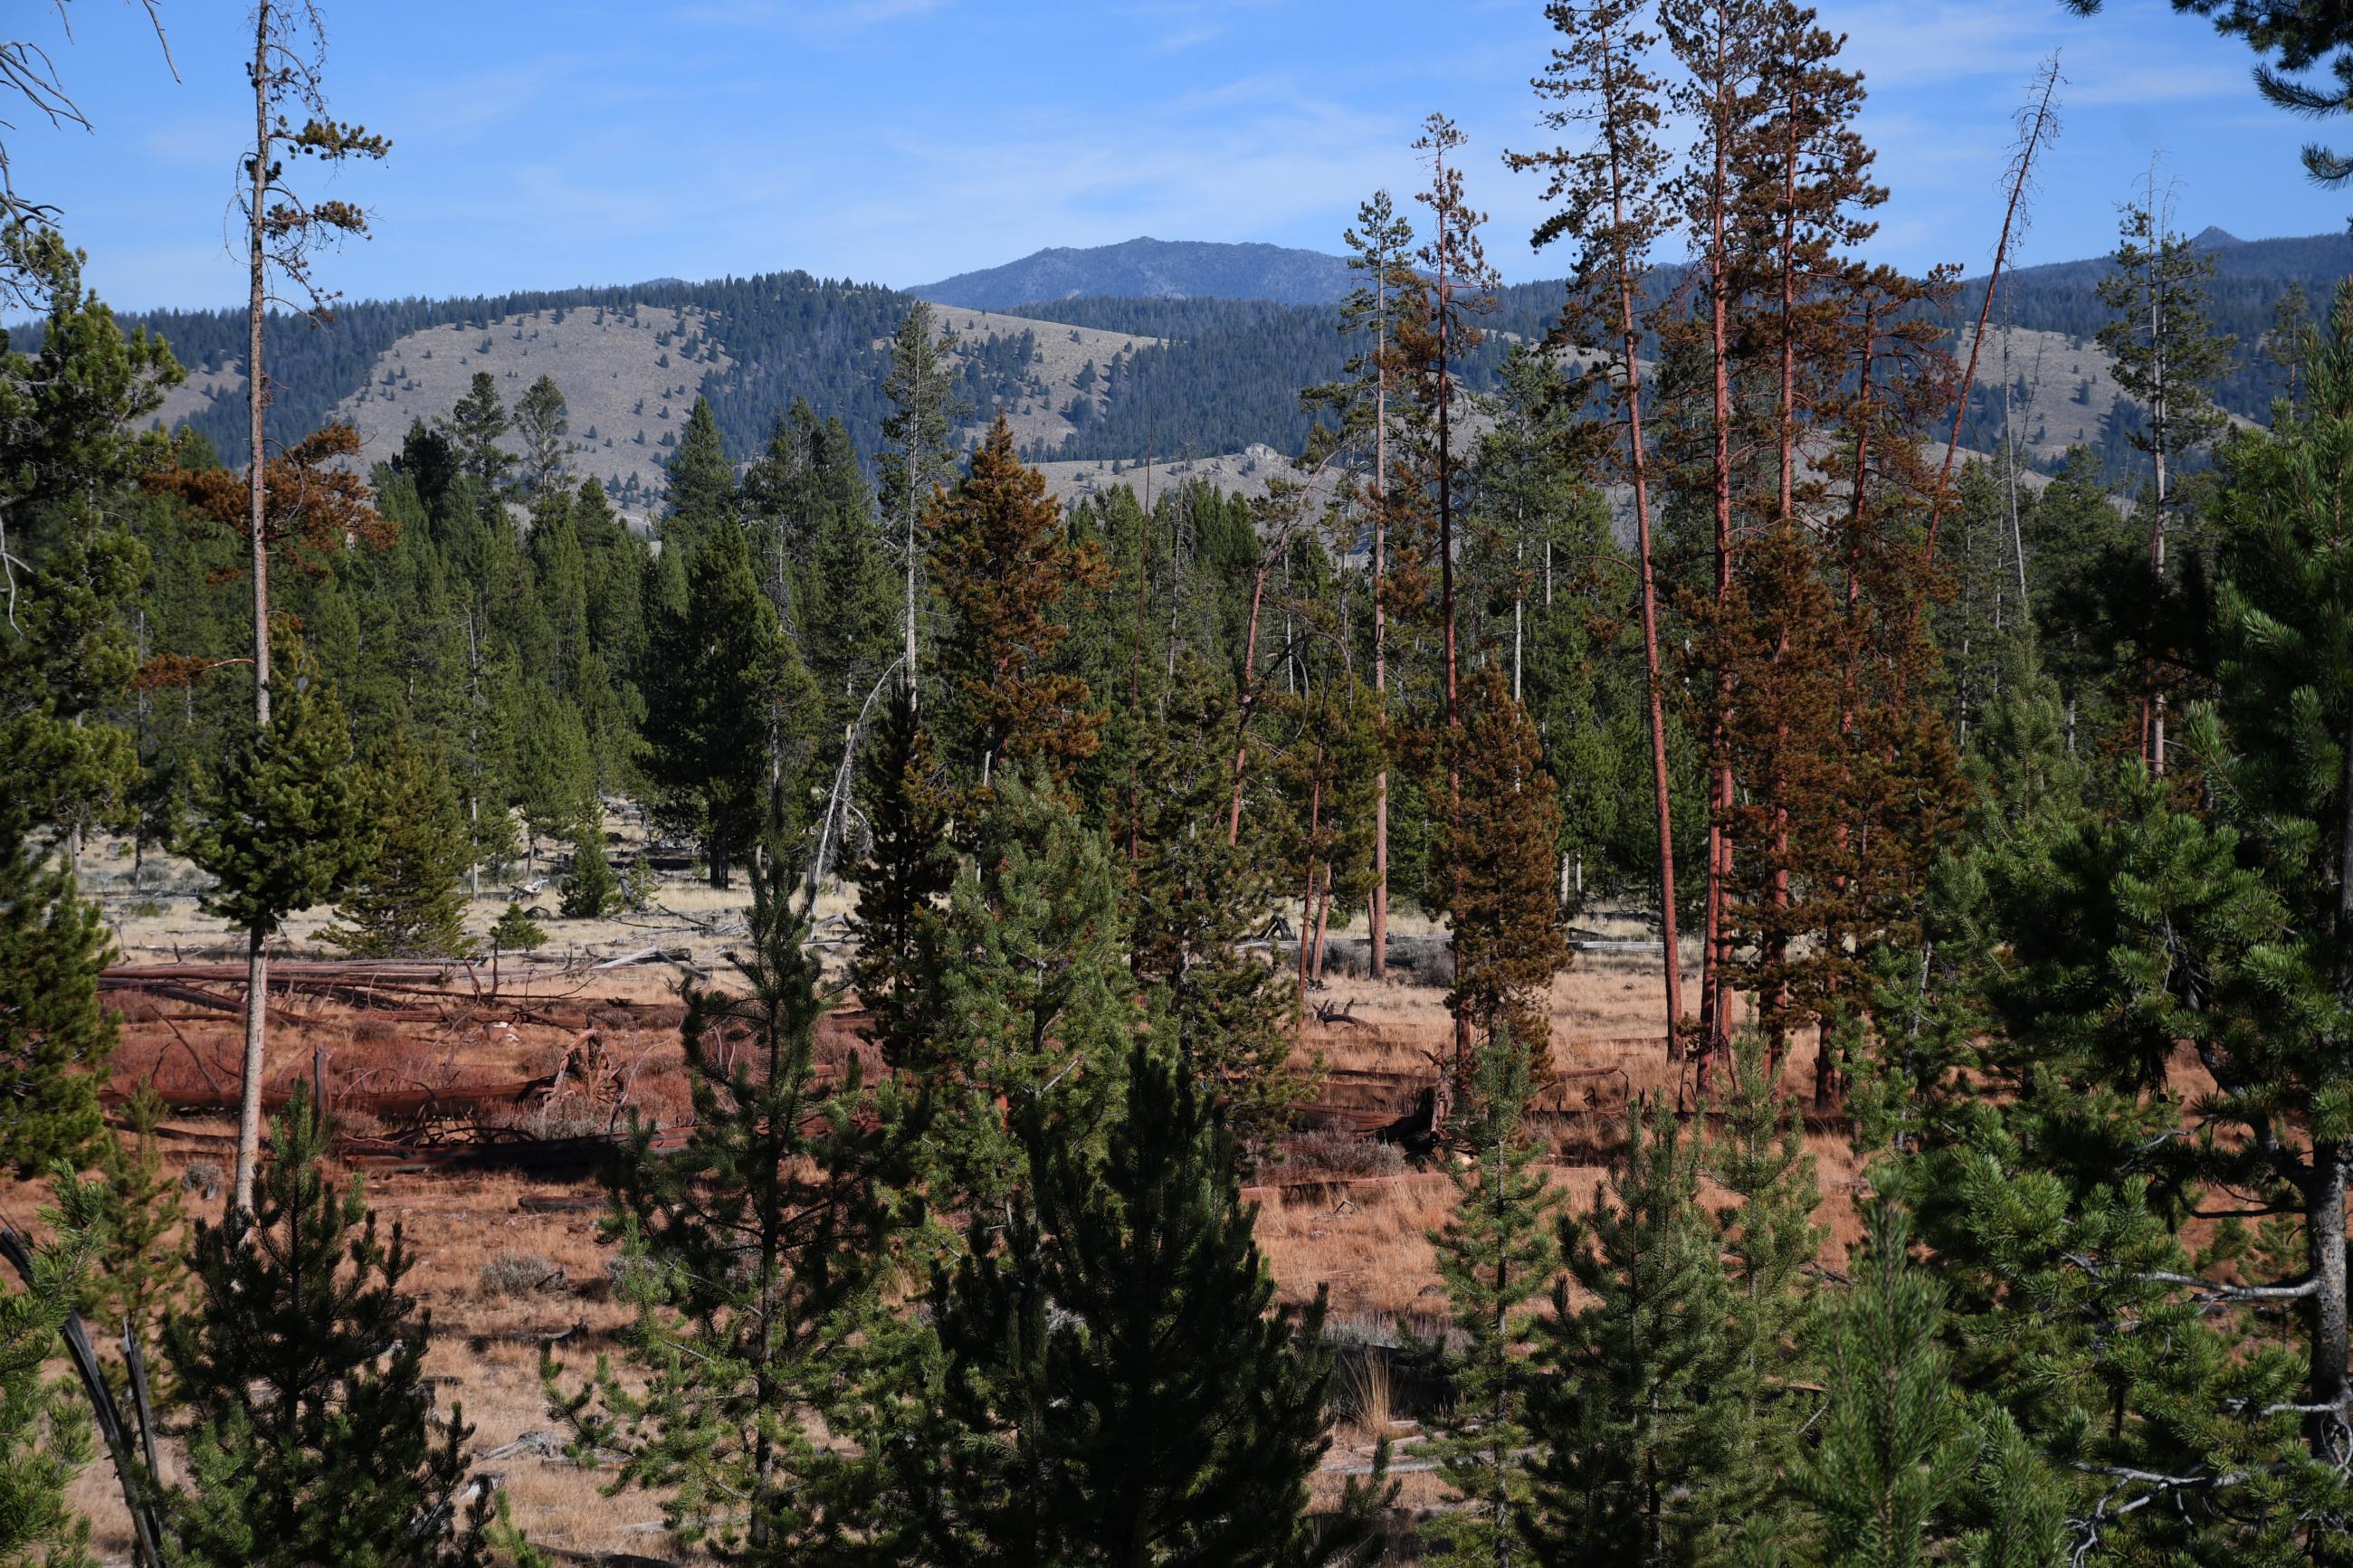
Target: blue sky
point(540, 145)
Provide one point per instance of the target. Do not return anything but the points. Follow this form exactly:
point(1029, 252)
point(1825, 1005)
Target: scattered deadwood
point(491, 1126)
point(559, 1203)
point(1330, 1014)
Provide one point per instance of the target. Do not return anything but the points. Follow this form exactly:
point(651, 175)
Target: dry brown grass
point(1364, 1240)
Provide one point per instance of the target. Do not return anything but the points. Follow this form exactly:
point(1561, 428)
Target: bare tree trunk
point(1377, 914)
point(1250, 693)
point(2037, 129)
point(1519, 616)
point(1307, 901)
point(256, 400)
point(1637, 461)
point(914, 473)
point(1323, 921)
point(1715, 959)
point(1446, 586)
point(2324, 1230)
point(1136, 667)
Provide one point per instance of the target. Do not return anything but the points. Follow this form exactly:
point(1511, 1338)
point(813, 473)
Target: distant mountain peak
point(2211, 237)
point(1145, 267)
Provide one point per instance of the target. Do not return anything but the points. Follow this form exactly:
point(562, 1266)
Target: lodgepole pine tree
point(1433, 338)
point(702, 490)
point(733, 710)
point(1501, 909)
point(2167, 354)
point(1717, 43)
point(472, 428)
point(1001, 560)
point(1891, 1453)
point(1495, 1254)
point(2229, 927)
point(408, 901)
point(45, 1434)
point(302, 1366)
point(591, 891)
point(55, 1038)
point(1381, 248)
point(1613, 204)
point(919, 459)
point(71, 569)
point(283, 826)
point(760, 1365)
point(539, 421)
point(282, 232)
point(1199, 899)
point(1030, 1006)
point(139, 1261)
point(1629, 1437)
point(903, 882)
point(1116, 1389)
point(1756, 1155)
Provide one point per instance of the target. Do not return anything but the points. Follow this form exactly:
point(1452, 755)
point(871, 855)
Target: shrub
point(509, 1274)
point(1337, 1154)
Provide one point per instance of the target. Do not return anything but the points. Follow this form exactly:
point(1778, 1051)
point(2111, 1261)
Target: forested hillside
point(1226, 376)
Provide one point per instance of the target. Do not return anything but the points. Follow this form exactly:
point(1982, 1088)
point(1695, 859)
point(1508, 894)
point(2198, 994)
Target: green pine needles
point(1496, 1255)
point(55, 1039)
point(1116, 1389)
point(45, 1433)
point(761, 1395)
point(313, 1438)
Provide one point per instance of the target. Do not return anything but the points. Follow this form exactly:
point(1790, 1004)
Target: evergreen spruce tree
point(44, 1428)
point(284, 826)
point(1229, 1017)
point(1495, 1254)
point(1498, 879)
point(731, 706)
point(591, 891)
point(539, 421)
point(138, 1260)
point(918, 459)
point(764, 1365)
point(302, 1366)
point(410, 901)
point(1890, 1452)
point(55, 1038)
point(903, 882)
point(1116, 1390)
point(702, 492)
point(999, 558)
point(1756, 1155)
point(1629, 1432)
point(1030, 1007)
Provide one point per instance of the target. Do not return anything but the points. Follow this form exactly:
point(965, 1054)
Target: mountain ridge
point(1145, 267)
point(1084, 378)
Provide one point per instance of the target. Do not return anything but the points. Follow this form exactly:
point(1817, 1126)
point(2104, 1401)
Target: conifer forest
point(1191, 904)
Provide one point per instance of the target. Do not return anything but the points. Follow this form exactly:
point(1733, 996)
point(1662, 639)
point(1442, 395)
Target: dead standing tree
point(282, 233)
point(1611, 203)
point(1459, 287)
